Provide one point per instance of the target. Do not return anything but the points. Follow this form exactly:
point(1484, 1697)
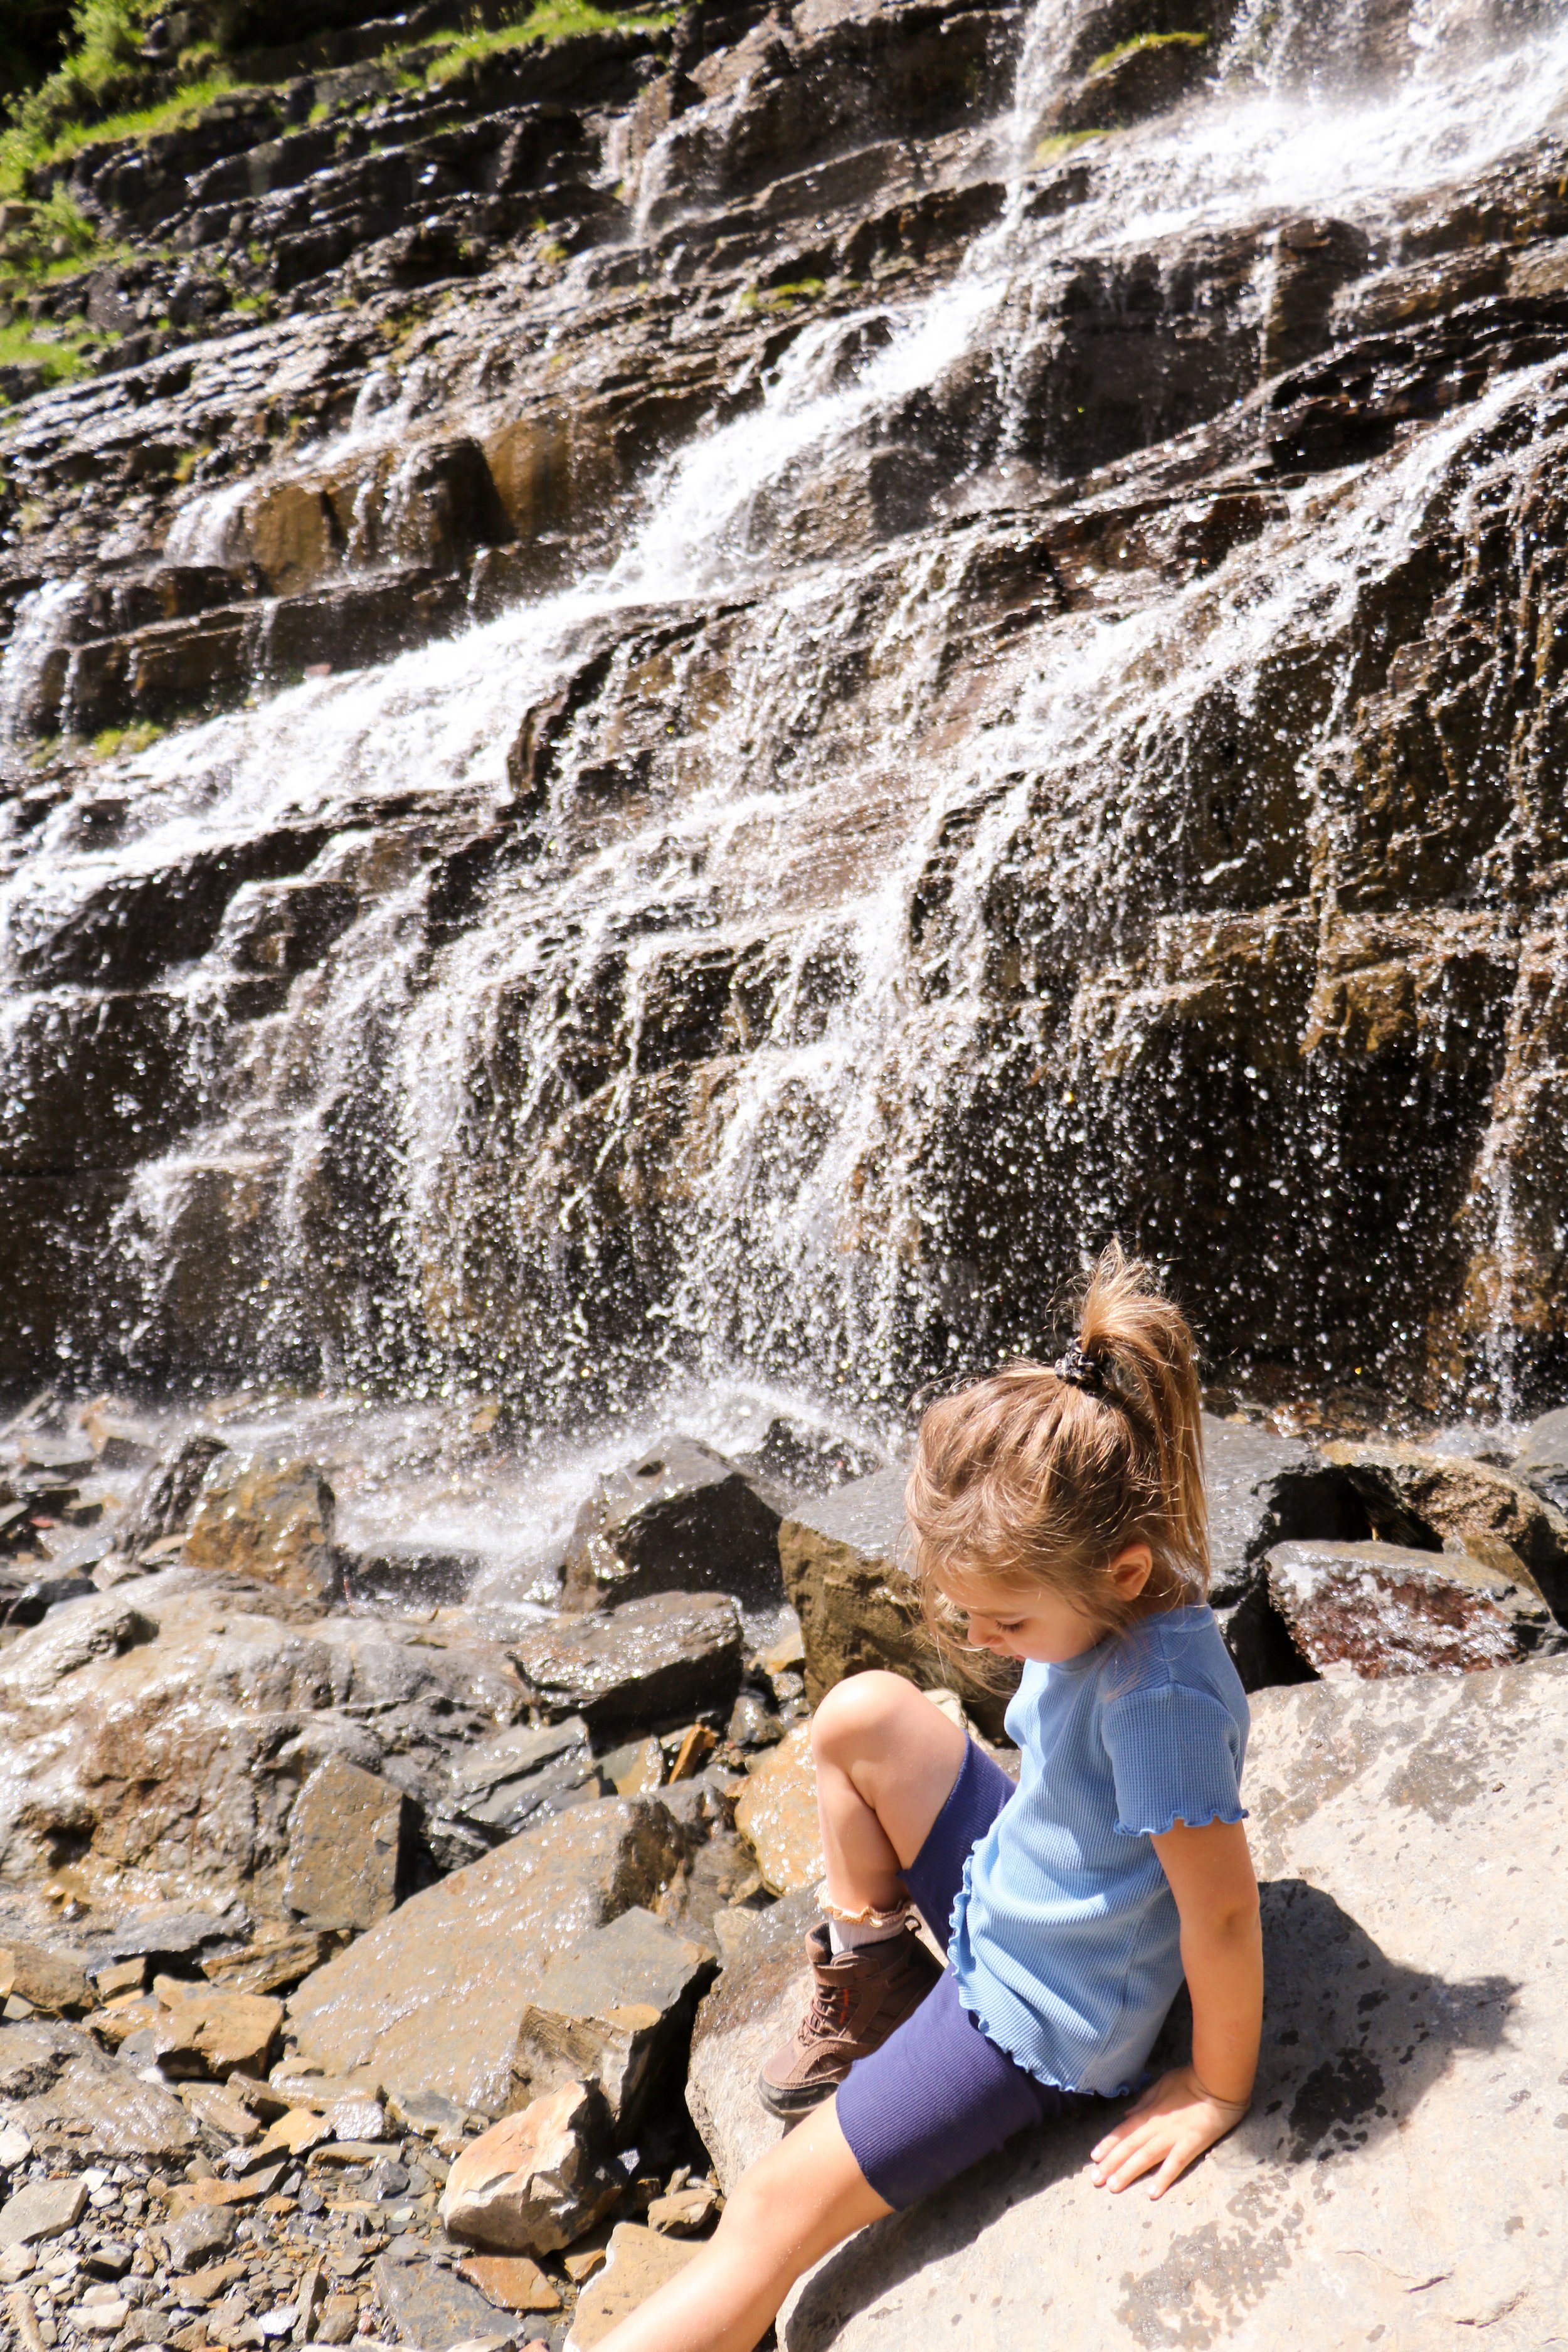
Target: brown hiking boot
point(860, 1998)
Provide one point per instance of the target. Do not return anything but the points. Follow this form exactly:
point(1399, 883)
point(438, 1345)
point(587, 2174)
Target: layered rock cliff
point(705, 693)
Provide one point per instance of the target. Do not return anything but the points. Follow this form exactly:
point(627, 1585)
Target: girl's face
point(1033, 1622)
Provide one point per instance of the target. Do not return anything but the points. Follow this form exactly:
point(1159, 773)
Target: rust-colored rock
point(1375, 1609)
point(776, 1813)
point(534, 2181)
point(271, 1516)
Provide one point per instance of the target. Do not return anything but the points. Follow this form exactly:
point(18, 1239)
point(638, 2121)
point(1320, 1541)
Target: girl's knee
point(862, 1714)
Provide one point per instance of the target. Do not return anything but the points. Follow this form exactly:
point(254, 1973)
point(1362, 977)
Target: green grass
point(1147, 41)
point(552, 20)
point(23, 149)
point(780, 298)
point(21, 346)
point(1062, 143)
point(135, 737)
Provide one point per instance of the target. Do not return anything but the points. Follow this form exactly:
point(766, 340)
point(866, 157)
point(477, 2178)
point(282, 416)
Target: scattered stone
point(1413, 2025)
point(752, 1724)
point(511, 2281)
point(436, 2310)
point(431, 2000)
point(120, 1976)
point(15, 2147)
point(840, 1555)
point(268, 1516)
point(639, 2262)
point(17, 2262)
point(41, 2210)
point(777, 1814)
point(1377, 1609)
point(198, 2235)
point(615, 2009)
point(51, 1980)
point(697, 1743)
point(345, 1847)
point(683, 1519)
point(338, 2319)
point(585, 2260)
point(670, 1656)
point(193, 2029)
point(537, 2179)
point(274, 1962)
point(636, 1768)
point(1443, 1500)
point(685, 2210)
point(213, 2106)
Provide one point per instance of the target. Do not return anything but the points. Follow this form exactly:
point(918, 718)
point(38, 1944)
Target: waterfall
point(794, 1024)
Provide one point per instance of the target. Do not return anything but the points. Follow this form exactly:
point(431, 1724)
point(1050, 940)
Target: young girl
point(1058, 1518)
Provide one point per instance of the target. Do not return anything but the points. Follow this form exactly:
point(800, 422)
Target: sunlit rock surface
point(1413, 2025)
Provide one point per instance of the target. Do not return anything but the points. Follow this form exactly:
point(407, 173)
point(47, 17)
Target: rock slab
point(345, 1843)
point(683, 1519)
point(648, 1662)
point(615, 2010)
point(1375, 1609)
point(1400, 2178)
point(431, 2000)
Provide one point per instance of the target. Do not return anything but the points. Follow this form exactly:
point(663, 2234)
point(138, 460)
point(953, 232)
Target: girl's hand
point(1170, 2126)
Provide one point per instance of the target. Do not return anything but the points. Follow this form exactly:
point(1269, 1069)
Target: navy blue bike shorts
point(937, 2096)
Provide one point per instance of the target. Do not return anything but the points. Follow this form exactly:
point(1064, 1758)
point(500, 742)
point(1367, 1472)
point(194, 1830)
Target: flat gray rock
point(431, 2000)
point(39, 2211)
point(432, 2308)
point(647, 1662)
point(1400, 2179)
point(68, 2095)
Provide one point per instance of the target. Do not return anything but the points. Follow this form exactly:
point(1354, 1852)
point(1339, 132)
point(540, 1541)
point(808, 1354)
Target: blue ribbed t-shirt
point(1065, 1939)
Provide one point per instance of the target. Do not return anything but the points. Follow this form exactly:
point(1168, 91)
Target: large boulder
point(1398, 2179)
point(160, 1733)
point(683, 1519)
point(1266, 1489)
point(433, 1999)
point(1451, 1502)
point(1375, 1609)
point(764, 1992)
point(841, 1559)
point(648, 1662)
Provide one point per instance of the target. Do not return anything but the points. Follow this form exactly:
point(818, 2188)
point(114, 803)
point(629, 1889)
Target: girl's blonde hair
point(1043, 1474)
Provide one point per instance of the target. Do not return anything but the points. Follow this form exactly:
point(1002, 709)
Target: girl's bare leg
point(794, 2206)
point(885, 1763)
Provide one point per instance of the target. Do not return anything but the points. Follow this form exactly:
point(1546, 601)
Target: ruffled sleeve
point(1175, 1754)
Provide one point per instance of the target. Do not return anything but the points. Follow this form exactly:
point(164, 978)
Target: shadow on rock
point(1352, 2041)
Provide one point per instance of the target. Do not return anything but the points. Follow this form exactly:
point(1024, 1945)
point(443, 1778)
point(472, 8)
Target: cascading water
point(799, 1029)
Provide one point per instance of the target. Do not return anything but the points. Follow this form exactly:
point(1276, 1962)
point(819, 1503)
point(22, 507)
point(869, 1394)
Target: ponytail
point(1046, 1474)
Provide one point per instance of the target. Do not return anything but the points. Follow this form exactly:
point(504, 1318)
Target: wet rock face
point(681, 1519)
point(1242, 944)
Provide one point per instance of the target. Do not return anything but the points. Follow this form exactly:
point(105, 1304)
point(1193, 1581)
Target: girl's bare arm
point(1212, 1878)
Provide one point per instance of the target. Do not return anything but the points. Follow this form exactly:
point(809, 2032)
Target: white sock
point(848, 1935)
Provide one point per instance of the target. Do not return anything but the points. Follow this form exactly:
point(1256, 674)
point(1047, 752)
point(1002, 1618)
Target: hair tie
point(1080, 1371)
